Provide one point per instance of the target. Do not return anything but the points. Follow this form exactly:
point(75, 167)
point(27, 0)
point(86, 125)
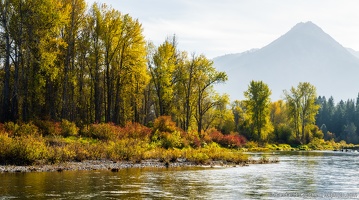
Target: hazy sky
point(215, 28)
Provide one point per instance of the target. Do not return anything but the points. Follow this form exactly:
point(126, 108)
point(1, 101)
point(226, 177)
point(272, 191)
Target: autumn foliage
point(54, 142)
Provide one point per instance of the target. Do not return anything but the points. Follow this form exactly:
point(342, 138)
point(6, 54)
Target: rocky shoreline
point(114, 166)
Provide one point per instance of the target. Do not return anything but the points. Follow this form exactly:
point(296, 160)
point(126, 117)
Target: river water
point(298, 175)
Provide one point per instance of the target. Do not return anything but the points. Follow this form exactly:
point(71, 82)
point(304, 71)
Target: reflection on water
point(312, 174)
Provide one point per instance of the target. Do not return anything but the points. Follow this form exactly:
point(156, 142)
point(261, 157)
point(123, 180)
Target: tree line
point(63, 60)
point(339, 121)
point(291, 120)
point(298, 119)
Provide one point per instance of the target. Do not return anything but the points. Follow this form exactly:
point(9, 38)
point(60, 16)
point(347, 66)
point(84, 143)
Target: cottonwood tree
point(258, 104)
point(302, 108)
point(278, 115)
point(220, 116)
point(162, 66)
point(204, 80)
point(131, 72)
point(241, 117)
point(75, 10)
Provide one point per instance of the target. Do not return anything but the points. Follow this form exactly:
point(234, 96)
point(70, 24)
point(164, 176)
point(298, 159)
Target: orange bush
point(164, 124)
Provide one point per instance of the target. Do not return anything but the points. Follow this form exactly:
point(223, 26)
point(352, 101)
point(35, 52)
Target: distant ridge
point(304, 53)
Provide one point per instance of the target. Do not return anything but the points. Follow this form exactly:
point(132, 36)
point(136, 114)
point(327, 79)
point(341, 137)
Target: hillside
point(304, 53)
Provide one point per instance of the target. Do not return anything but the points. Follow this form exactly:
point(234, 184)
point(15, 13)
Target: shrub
point(205, 136)
point(97, 151)
point(271, 147)
point(216, 136)
point(126, 149)
point(2, 128)
point(167, 140)
point(303, 148)
point(172, 140)
point(170, 155)
point(27, 129)
point(81, 152)
point(251, 144)
point(59, 154)
point(154, 153)
point(28, 149)
point(21, 130)
point(103, 131)
point(233, 140)
point(238, 158)
point(320, 144)
point(11, 128)
point(284, 147)
point(164, 124)
point(191, 138)
point(214, 151)
point(5, 147)
point(68, 128)
point(135, 130)
point(199, 157)
point(48, 127)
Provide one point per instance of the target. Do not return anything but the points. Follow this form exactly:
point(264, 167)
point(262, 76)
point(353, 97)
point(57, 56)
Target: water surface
point(309, 175)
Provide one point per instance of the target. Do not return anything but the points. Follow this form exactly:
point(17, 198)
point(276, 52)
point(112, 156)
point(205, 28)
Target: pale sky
point(215, 28)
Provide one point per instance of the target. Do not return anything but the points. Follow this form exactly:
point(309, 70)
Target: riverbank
point(116, 166)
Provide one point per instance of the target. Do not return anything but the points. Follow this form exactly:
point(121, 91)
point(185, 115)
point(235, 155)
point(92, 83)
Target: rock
point(114, 170)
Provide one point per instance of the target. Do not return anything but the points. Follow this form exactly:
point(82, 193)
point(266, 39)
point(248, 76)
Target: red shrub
point(234, 140)
point(135, 130)
point(216, 136)
point(196, 142)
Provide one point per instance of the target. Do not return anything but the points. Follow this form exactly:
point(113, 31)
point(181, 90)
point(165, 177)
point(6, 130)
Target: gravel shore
point(95, 165)
point(115, 166)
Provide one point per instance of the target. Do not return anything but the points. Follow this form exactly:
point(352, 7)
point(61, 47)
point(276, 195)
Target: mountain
point(352, 51)
point(304, 54)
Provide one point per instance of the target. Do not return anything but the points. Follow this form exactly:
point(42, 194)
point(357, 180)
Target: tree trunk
point(200, 116)
point(7, 115)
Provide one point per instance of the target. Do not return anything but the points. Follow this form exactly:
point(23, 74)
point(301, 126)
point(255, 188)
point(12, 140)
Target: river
point(298, 175)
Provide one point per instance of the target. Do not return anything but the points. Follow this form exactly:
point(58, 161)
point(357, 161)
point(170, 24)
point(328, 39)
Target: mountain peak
point(304, 38)
point(308, 24)
point(304, 54)
point(307, 28)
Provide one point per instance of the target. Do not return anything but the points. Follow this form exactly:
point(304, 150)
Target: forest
point(63, 61)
